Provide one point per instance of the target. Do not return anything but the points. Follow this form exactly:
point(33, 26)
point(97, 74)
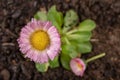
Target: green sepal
point(42, 67)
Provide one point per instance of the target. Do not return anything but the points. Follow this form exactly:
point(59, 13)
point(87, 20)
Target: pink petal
point(24, 36)
point(37, 56)
point(33, 25)
point(23, 41)
point(30, 54)
point(42, 57)
point(40, 25)
point(33, 20)
point(47, 25)
point(52, 30)
point(52, 53)
point(24, 48)
point(29, 29)
point(55, 40)
point(25, 31)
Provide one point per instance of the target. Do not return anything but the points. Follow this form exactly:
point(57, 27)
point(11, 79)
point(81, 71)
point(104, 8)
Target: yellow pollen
point(80, 66)
point(39, 40)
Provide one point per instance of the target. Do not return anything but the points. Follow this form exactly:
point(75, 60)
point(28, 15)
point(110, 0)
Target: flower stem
point(72, 31)
point(95, 57)
point(67, 41)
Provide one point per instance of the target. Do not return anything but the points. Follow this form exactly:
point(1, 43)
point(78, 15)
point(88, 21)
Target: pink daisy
point(39, 41)
point(78, 66)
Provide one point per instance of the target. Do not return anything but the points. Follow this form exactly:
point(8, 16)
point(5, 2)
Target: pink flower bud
point(78, 66)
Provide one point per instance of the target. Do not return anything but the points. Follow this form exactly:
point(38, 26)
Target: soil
point(14, 14)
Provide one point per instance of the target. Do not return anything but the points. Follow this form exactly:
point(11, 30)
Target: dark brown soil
point(14, 14)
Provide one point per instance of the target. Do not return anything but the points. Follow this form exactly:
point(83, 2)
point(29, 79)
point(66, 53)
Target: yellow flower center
point(39, 40)
point(80, 66)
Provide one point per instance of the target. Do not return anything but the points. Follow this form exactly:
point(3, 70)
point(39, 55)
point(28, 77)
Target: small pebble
point(5, 73)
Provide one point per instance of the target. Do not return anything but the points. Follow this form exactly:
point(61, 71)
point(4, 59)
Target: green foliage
point(41, 15)
point(75, 38)
point(54, 63)
point(70, 19)
point(65, 60)
point(42, 67)
point(77, 41)
point(55, 17)
point(87, 25)
point(80, 36)
point(82, 47)
point(69, 50)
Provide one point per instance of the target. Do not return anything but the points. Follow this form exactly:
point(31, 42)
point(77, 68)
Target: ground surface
point(14, 14)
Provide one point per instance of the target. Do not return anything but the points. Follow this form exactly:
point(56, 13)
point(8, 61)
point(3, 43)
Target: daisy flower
point(78, 66)
point(39, 41)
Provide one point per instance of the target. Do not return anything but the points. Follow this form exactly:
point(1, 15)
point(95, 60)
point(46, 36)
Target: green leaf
point(80, 36)
point(41, 15)
point(87, 25)
point(54, 63)
point(83, 47)
point(69, 50)
point(65, 60)
point(56, 17)
point(71, 19)
point(42, 67)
